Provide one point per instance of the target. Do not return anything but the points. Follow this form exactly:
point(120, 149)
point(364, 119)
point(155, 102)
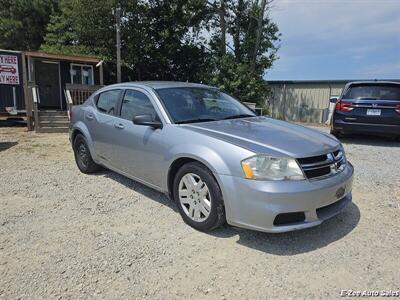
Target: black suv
point(370, 107)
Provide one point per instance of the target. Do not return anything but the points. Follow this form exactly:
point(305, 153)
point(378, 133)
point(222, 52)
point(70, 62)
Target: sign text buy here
point(9, 69)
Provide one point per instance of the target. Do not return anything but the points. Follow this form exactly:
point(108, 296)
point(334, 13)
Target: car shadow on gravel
point(290, 243)
point(139, 188)
point(296, 242)
point(379, 141)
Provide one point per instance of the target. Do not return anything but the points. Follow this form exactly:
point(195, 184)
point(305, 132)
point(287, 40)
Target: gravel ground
point(64, 234)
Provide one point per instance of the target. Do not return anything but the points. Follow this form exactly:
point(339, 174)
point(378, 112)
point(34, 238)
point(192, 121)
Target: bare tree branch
point(260, 26)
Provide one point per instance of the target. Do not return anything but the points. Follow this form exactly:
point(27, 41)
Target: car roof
point(161, 84)
point(373, 82)
point(349, 84)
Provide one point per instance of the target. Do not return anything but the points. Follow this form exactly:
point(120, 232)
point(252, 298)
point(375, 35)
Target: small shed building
point(40, 84)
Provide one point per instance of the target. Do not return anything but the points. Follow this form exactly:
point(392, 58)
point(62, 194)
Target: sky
point(337, 39)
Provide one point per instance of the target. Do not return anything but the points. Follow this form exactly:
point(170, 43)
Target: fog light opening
point(289, 218)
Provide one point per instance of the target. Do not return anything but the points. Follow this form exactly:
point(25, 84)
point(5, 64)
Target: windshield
point(190, 105)
point(373, 92)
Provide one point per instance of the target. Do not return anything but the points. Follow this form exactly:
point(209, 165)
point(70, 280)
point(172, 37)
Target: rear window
point(107, 101)
point(373, 92)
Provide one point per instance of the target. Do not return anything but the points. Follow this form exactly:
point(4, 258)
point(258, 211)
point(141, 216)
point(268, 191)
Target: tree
point(160, 39)
point(227, 43)
point(23, 22)
point(254, 36)
point(82, 28)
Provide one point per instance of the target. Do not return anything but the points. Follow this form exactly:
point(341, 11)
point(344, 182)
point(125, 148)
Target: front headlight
point(263, 167)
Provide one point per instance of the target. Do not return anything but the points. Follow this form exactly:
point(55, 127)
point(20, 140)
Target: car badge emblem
point(374, 105)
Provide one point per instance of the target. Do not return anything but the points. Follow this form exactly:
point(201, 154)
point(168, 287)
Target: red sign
point(9, 69)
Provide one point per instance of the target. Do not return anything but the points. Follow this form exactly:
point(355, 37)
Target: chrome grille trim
point(323, 166)
point(319, 165)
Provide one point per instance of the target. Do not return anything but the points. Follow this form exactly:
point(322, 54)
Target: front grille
point(321, 166)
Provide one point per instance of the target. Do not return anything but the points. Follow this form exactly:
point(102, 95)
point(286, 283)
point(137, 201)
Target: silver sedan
point(213, 156)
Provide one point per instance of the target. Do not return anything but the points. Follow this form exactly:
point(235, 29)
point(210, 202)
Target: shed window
point(81, 74)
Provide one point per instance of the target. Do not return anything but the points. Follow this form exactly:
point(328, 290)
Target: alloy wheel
point(83, 155)
point(194, 197)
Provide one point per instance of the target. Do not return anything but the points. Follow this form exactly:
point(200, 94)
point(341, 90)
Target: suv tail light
point(344, 106)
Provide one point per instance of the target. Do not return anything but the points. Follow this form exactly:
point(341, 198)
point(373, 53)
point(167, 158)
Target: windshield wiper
point(198, 120)
point(238, 116)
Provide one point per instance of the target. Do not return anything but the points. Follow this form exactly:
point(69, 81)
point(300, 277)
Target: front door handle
point(89, 116)
point(119, 126)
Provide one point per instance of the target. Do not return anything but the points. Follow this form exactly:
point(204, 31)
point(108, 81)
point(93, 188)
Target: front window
point(189, 105)
point(373, 92)
point(136, 103)
point(81, 74)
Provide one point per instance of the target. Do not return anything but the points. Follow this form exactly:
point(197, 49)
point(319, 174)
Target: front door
point(138, 150)
point(47, 78)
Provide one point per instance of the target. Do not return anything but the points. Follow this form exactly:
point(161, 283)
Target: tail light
point(397, 109)
point(344, 106)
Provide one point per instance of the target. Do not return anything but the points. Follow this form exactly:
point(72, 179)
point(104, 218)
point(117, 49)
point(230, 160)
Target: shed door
point(47, 78)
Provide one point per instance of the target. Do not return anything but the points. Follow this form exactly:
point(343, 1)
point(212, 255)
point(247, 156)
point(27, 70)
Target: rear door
point(373, 103)
point(100, 120)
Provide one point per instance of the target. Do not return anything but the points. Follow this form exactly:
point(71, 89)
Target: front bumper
point(256, 204)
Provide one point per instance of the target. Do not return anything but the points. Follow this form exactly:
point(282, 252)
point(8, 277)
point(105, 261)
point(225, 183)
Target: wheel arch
point(74, 134)
point(80, 128)
point(181, 161)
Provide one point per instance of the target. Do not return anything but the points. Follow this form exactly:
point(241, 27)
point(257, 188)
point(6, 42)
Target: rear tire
point(198, 197)
point(83, 158)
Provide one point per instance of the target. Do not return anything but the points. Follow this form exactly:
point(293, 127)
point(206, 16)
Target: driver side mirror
point(147, 120)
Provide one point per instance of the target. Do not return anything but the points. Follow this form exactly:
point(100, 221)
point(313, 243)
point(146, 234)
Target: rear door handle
point(119, 126)
point(89, 116)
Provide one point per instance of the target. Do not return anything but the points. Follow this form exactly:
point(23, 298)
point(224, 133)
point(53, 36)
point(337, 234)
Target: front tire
point(83, 158)
point(198, 197)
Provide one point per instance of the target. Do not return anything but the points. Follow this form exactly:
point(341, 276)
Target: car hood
point(270, 136)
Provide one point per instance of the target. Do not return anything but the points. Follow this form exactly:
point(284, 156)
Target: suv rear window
point(373, 92)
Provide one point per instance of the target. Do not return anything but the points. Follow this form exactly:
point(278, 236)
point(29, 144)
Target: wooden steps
point(52, 121)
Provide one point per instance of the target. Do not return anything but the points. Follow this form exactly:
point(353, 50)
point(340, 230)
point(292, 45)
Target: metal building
point(304, 100)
